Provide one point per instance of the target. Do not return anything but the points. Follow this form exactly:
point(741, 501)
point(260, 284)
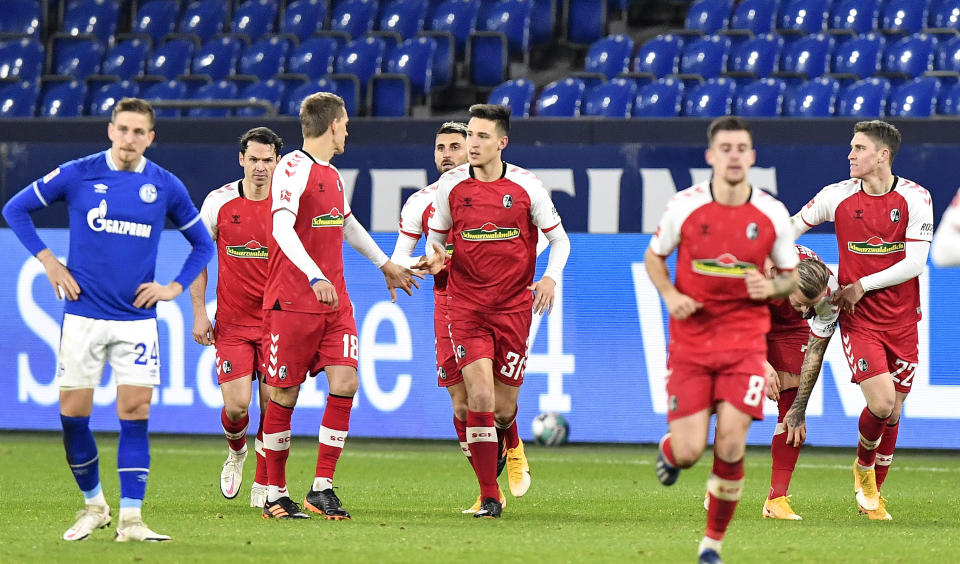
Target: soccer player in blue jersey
point(118, 203)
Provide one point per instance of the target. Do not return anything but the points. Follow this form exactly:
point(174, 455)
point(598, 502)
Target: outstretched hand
point(432, 264)
point(399, 277)
point(543, 290)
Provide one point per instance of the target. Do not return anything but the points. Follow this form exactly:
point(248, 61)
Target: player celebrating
point(237, 216)
point(118, 203)
point(308, 312)
point(491, 210)
point(946, 242)
point(801, 328)
point(723, 230)
point(884, 225)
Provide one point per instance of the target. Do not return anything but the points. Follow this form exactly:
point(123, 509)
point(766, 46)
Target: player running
point(237, 216)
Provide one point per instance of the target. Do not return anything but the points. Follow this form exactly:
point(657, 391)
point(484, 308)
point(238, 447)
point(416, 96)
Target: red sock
point(508, 435)
point(235, 431)
point(461, 427)
point(784, 455)
point(667, 451)
point(724, 486)
point(261, 476)
point(482, 439)
point(276, 442)
point(333, 434)
point(885, 451)
point(871, 431)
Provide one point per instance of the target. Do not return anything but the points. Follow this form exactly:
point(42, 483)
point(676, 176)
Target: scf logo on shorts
point(461, 351)
point(283, 373)
point(441, 373)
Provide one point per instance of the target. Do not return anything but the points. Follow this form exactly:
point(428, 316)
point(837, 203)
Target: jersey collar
point(112, 166)
point(502, 173)
point(324, 163)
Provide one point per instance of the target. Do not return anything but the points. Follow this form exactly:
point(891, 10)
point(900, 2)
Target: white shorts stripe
point(332, 437)
point(277, 441)
point(481, 434)
point(728, 490)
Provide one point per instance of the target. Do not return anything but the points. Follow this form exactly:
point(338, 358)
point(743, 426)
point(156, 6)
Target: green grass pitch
point(596, 503)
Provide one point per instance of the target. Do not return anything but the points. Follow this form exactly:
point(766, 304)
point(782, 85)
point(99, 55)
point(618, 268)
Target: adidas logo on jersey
point(97, 220)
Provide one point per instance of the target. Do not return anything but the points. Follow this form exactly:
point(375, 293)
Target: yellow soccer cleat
point(880, 514)
point(518, 471)
point(868, 496)
point(479, 503)
point(779, 508)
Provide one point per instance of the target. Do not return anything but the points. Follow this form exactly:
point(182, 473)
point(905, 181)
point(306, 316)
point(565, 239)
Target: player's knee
point(686, 455)
point(481, 401)
point(881, 407)
point(235, 412)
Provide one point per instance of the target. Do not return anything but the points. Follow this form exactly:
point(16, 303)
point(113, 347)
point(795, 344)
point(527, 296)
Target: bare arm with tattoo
point(795, 419)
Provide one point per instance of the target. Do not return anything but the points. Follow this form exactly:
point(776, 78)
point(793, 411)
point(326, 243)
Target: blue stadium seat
point(156, 18)
point(204, 18)
point(171, 59)
point(859, 56)
point(270, 91)
point(904, 16)
point(168, 90)
point(708, 16)
point(404, 17)
point(21, 17)
point(909, 57)
point(610, 56)
point(755, 58)
point(21, 59)
point(943, 15)
point(95, 17)
point(64, 99)
point(613, 99)
point(264, 58)
point(355, 17)
point(917, 98)
point(660, 56)
point(706, 57)
point(806, 58)
point(815, 98)
point(443, 57)
point(361, 57)
point(18, 99)
point(303, 18)
point(220, 90)
point(946, 55)
point(802, 17)
point(414, 59)
point(254, 18)
point(126, 59)
point(586, 20)
point(661, 98)
point(763, 98)
point(314, 57)
point(389, 95)
point(713, 98)
point(518, 94)
point(304, 90)
point(949, 102)
point(543, 18)
point(347, 86)
point(511, 18)
point(487, 56)
point(105, 97)
point(76, 57)
point(755, 16)
point(217, 59)
point(865, 98)
point(561, 98)
point(854, 16)
point(459, 17)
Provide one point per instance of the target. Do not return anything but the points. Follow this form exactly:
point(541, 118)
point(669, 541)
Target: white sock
point(276, 492)
point(708, 542)
point(238, 453)
point(96, 500)
point(129, 514)
point(320, 484)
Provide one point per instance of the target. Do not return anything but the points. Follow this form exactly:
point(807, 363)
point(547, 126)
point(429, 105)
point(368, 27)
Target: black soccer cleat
point(666, 473)
point(490, 509)
point(326, 503)
point(283, 508)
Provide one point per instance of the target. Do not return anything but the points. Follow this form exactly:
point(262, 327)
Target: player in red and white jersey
point(492, 211)
point(237, 216)
point(884, 224)
point(946, 242)
point(308, 314)
point(723, 230)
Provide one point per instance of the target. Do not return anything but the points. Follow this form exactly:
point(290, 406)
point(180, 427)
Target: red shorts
point(306, 343)
point(447, 372)
point(785, 351)
point(870, 352)
point(698, 381)
point(501, 337)
point(239, 351)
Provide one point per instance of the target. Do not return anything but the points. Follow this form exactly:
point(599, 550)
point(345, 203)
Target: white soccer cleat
point(231, 477)
point(258, 495)
point(92, 517)
point(136, 530)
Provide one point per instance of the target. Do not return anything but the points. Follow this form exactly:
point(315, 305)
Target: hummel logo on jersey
point(97, 220)
point(725, 265)
point(875, 246)
point(859, 214)
point(100, 188)
point(285, 195)
point(252, 249)
point(490, 232)
point(332, 219)
point(236, 219)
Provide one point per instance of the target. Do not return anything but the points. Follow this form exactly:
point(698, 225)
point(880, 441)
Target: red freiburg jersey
point(313, 191)
point(717, 245)
point(241, 228)
point(494, 230)
point(872, 232)
point(414, 221)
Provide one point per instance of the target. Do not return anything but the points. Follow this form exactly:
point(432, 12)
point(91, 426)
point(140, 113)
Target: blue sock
point(133, 462)
point(82, 454)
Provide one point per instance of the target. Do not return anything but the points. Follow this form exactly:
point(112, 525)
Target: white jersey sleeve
point(289, 181)
point(215, 200)
point(784, 252)
point(823, 207)
point(946, 243)
point(411, 214)
point(543, 214)
point(441, 221)
point(824, 322)
point(919, 210)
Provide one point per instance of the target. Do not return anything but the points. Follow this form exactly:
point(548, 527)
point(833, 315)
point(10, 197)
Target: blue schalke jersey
point(116, 218)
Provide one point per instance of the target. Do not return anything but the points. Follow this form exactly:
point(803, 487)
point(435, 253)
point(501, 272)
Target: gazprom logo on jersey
point(725, 265)
point(332, 219)
point(490, 232)
point(252, 249)
point(875, 246)
point(97, 220)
